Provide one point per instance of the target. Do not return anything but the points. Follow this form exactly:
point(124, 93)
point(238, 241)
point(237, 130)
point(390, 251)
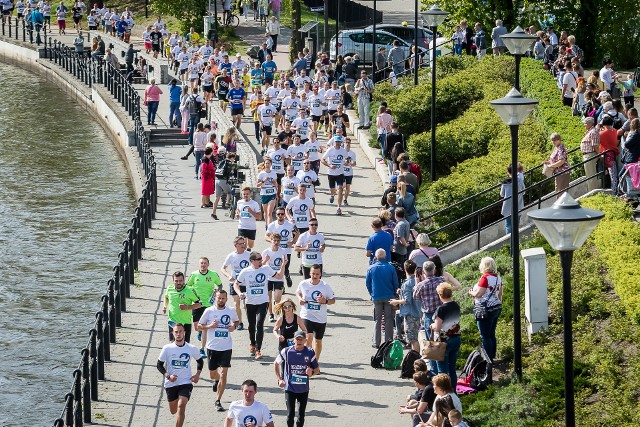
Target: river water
point(65, 205)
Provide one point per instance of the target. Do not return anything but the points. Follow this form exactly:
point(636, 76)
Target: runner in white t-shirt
point(247, 212)
point(216, 324)
point(255, 278)
point(174, 363)
point(311, 245)
point(267, 182)
point(302, 125)
point(285, 229)
point(288, 186)
point(300, 209)
point(314, 149)
point(236, 261)
point(278, 156)
point(318, 106)
point(273, 257)
point(296, 153)
point(333, 159)
point(248, 412)
point(314, 295)
point(309, 177)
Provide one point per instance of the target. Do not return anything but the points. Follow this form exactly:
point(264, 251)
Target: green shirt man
point(180, 300)
point(204, 283)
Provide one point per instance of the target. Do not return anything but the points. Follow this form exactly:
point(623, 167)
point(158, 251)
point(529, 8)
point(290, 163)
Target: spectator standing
point(174, 104)
point(401, 236)
point(609, 141)
point(381, 63)
point(480, 41)
point(488, 291)
point(505, 192)
point(382, 284)
point(446, 324)
point(559, 161)
point(607, 75)
point(396, 59)
point(423, 253)
point(273, 29)
point(409, 308)
point(364, 91)
point(152, 100)
point(468, 36)
point(425, 292)
point(590, 146)
point(380, 239)
point(496, 38)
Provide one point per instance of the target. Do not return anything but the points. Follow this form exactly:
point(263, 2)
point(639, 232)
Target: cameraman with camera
point(226, 174)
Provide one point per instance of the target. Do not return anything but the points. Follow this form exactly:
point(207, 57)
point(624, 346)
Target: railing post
point(68, 412)
point(24, 32)
point(77, 397)
point(112, 313)
point(93, 354)
point(479, 216)
point(116, 302)
point(86, 387)
point(106, 331)
point(124, 272)
point(9, 19)
point(133, 243)
point(101, 348)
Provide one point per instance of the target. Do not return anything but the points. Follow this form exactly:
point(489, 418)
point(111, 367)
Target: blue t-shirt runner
point(235, 98)
point(269, 68)
point(294, 365)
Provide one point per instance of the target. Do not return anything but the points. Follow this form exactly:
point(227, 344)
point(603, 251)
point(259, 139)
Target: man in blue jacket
point(174, 104)
point(382, 284)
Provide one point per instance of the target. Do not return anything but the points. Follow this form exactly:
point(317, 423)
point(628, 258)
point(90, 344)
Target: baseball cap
point(603, 94)
point(588, 120)
point(238, 54)
point(299, 334)
point(394, 179)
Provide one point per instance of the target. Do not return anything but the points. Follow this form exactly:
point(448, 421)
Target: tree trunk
point(587, 27)
point(296, 38)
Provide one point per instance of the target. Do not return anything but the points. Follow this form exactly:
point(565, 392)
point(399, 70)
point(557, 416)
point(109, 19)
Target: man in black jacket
point(263, 52)
point(468, 36)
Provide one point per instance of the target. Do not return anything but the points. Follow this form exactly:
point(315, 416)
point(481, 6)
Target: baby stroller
point(630, 174)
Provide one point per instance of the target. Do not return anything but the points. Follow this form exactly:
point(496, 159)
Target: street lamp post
point(415, 33)
point(514, 110)
point(566, 226)
point(433, 18)
point(518, 43)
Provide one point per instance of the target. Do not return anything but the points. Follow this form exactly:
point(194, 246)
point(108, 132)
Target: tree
point(297, 44)
point(189, 12)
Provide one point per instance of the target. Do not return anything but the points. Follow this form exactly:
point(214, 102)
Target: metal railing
point(425, 62)
point(84, 390)
point(534, 194)
point(30, 32)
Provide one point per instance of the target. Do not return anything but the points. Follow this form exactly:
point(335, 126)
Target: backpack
point(393, 357)
point(478, 370)
point(223, 169)
point(406, 368)
point(195, 107)
point(377, 360)
point(617, 121)
point(399, 268)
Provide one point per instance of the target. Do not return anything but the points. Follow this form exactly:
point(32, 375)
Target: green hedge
point(606, 343)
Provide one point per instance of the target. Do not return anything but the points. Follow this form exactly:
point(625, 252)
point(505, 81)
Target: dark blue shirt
point(382, 281)
point(269, 68)
point(235, 97)
point(294, 366)
point(223, 65)
point(174, 93)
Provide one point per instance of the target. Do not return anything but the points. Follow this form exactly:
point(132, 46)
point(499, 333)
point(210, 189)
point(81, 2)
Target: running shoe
point(258, 355)
point(339, 211)
point(346, 203)
point(271, 318)
point(331, 199)
point(219, 407)
point(240, 326)
point(203, 354)
point(215, 387)
point(252, 350)
point(199, 335)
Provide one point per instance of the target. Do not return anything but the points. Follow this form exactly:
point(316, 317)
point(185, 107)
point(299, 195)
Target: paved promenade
point(348, 392)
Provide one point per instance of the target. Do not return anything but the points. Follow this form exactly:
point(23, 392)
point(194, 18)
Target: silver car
point(360, 41)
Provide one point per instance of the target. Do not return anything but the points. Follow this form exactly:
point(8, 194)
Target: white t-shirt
point(296, 154)
point(302, 127)
point(313, 148)
point(316, 101)
point(335, 157)
point(266, 112)
point(299, 81)
point(312, 310)
point(194, 69)
point(146, 36)
point(308, 178)
point(333, 98)
point(348, 170)
point(238, 65)
point(237, 262)
point(258, 414)
point(312, 255)
point(285, 230)
point(276, 156)
point(570, 79)
point(207, 78)
point(289, 188)
point(218, 339)
point(269, 182)
point(247, 221)
point(206, 52)
point(255, 279)
point(184, 58)
point(290, 105)
point(301, 211)
point(275, 260)
point(177, 361)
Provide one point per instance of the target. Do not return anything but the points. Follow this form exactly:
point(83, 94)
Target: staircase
point(165, 136)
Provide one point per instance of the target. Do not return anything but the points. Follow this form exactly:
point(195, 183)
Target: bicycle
point(233, 197)
point(233, 20)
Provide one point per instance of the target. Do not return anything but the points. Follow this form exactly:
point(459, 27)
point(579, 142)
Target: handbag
point(480, 310)
point(434, 350)
point(547, 170)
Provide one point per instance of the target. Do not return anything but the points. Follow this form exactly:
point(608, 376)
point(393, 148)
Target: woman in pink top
point(152, 100)
point(383, 125)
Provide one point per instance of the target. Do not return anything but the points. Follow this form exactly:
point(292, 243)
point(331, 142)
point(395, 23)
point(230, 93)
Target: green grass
point(306, 15)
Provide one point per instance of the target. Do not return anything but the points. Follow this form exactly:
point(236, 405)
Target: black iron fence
point(485, 212)
point(20, 29)
point(96, 72)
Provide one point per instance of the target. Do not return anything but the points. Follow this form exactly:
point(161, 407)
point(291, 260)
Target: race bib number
point(298, 379)
point(284, 245)
point(347, 169)
point(313, 150)
point(221, 334)
point(313, 306)
point(269, 191)
point(288, 192)
point(301, 219)
point(245, 215)
point(257, 291)
point(336, 162)
point(312, 256)
point(297, 164)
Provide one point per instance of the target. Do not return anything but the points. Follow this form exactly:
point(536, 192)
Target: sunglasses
point(313, 225)
point(257, 259)
point(279, 214)
point(287, 306)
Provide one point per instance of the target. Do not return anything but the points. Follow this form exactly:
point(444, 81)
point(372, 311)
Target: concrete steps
point(165, 136)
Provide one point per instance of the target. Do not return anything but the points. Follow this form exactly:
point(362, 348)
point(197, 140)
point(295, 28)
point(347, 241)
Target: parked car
point(360, 41)
point(406, 33)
